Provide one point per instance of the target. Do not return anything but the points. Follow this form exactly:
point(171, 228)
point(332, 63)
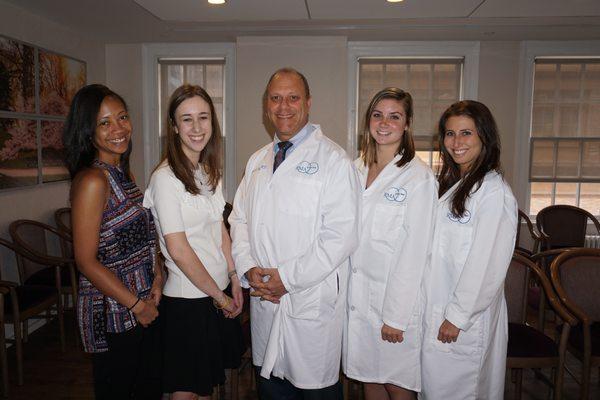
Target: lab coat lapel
point(305, 152)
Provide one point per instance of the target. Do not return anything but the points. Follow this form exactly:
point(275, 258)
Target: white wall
point(498, 89)
point(321, 59)
point(40, 202)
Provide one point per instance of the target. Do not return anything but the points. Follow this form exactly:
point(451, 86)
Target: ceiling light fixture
point(394, 1)
point(216, 1)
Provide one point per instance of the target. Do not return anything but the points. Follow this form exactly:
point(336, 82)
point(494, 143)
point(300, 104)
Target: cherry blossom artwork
point(53, 167)
point(17, 76)
point(18, 153)
point(60, 78)
point(36, 90)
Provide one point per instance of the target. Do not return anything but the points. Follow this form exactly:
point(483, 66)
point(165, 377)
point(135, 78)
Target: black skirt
point(198, 344)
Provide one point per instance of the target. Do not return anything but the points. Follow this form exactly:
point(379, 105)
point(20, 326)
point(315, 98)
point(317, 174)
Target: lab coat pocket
point(468, 343)
point(299, 197)
point(305, 304)
point(388, 220)
point(457, 243)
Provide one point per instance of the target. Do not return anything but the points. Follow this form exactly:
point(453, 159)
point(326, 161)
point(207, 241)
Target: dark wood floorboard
point(50, 374)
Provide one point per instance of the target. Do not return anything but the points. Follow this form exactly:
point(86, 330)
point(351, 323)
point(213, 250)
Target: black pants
point(131, 369)
point(281, 389)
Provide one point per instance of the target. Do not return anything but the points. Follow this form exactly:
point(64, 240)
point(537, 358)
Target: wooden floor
point(50, 374)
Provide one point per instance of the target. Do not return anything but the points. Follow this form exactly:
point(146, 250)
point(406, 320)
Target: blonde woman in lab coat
point(398, 197)
point(465, 319)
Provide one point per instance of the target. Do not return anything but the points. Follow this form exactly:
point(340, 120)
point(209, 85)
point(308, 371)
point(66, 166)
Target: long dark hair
point(407, 144)
point(210, 157)
point(488, 159)
point(80, 128)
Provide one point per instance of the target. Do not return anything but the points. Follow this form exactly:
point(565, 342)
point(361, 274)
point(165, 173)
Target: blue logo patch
point(395, 194)
point(463, 220)
point(306, 167)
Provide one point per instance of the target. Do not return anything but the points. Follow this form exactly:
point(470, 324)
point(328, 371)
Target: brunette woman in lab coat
point(398, 199)
point(465, 319)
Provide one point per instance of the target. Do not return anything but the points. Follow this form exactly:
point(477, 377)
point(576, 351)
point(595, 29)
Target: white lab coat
point(386, 270)
point(302, 219)
point(465, 285)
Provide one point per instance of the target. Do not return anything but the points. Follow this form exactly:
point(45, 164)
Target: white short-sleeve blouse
point(199, 216)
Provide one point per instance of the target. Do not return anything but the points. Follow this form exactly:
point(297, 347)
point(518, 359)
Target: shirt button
point(354, 270)
point(352, 308)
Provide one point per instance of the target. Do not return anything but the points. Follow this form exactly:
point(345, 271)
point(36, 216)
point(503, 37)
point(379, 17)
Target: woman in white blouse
point(383, 327)
point(185, 197)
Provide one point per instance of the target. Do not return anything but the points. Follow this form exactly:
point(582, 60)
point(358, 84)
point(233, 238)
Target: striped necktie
point(280, 156)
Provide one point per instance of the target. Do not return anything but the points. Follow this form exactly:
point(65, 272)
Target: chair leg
point(25, 334)
point(558, 385)
point(585, 381)
point(3, 359)
point(61, 323)
point(518, 383)
point(19, 350)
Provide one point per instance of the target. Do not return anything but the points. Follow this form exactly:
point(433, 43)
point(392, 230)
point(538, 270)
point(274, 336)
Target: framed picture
point(36, 90)
point(18, 153)
point(60, 78)
point(53, 166)
point(17, 76)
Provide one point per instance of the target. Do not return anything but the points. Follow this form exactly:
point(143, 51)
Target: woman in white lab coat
point(465, 321)
point(398, 197)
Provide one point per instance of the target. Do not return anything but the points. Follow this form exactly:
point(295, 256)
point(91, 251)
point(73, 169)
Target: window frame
point(151, 53)
point(468, 50)
point(530, 50)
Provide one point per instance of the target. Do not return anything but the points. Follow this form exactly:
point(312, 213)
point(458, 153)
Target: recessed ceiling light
point(216, 1)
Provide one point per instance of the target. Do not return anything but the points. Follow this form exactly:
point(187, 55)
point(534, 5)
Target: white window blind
point(209, 74)
point(434, 84)
point(564, 165)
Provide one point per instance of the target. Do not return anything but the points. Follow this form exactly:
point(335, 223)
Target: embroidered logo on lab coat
point(463, 220)
point(395, 194)
point(260, 168)
point(306, 167)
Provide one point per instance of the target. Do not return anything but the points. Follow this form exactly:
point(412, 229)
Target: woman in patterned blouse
point(115, 249)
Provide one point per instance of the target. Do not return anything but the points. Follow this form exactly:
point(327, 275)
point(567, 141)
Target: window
point(434, 84)
point(166, 67)
point(436, 74)
point(564, 162)
point(206, 73)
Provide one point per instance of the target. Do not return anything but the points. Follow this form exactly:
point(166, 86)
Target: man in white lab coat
point(294, 224)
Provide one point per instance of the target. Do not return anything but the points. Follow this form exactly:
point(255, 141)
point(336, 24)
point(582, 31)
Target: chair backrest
point(516, 286)
point(564, 225)
point(529, 241)
point(32, 237)
point(62, 218)
point(576, 277)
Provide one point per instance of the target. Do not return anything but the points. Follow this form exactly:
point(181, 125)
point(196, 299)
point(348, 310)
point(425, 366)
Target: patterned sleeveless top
point(127, 247)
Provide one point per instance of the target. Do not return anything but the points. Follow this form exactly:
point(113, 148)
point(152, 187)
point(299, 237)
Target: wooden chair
point(564, 226)
point(62, 218)
point(576, 277)
point(26, 302)
point(3, 361)
point(529, 347)
point(534, 238)
point(34, 237)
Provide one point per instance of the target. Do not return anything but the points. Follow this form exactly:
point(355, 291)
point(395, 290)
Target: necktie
point(280, 156)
